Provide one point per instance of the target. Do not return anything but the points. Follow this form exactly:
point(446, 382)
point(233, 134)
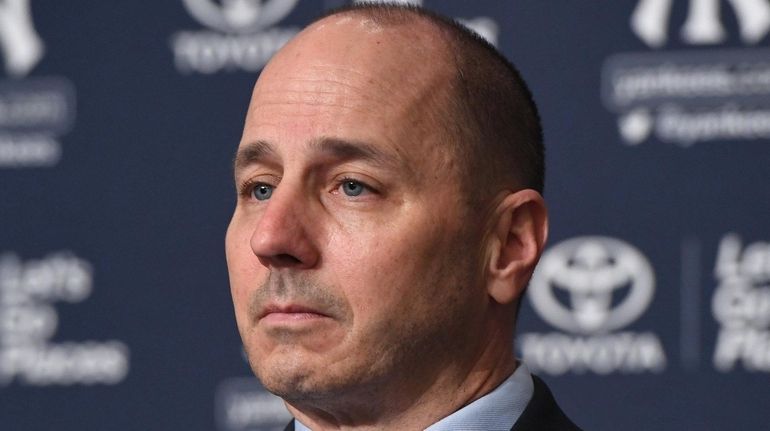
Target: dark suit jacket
point(541, 414)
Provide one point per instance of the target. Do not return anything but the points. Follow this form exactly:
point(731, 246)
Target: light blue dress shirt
point(495, 411)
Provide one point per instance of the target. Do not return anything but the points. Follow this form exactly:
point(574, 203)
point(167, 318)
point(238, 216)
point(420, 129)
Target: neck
point(419, 399)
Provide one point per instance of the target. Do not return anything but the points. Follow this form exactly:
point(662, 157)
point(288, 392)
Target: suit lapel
point(542, 413)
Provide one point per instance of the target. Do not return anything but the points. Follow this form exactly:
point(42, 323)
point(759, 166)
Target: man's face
point(353, 266)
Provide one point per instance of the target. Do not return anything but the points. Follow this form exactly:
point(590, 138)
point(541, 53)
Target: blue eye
point(352, 188)
point(262, 192)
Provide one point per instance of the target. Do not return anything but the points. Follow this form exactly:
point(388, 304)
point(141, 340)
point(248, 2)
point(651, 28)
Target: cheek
point(243, 269)
point(388, 272)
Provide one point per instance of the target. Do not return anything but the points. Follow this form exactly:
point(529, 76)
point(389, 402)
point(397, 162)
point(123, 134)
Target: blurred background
point(119, 120)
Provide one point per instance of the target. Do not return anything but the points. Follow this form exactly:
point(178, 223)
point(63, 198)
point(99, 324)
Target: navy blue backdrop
point(118, 122)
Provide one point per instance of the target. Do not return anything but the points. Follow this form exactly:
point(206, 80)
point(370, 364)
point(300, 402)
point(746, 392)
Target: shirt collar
point(495, 411)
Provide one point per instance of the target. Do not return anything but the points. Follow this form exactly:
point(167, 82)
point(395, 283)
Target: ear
point(519, 232)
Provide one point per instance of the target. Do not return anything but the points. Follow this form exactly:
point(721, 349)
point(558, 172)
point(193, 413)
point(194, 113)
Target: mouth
point(287, 313)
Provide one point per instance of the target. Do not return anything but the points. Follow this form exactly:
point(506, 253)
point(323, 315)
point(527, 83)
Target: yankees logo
point(703, 24)
point(18, 40)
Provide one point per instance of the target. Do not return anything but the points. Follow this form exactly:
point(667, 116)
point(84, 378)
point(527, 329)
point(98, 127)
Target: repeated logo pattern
point(687, 98)
point(703, 25)
point(591, 270)
point(239, 16)
point(34, 111)
point(245, 35)
point(591, 287)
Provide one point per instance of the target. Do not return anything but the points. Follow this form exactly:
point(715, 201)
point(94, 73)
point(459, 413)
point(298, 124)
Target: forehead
point(411, 52)
point(349, 78)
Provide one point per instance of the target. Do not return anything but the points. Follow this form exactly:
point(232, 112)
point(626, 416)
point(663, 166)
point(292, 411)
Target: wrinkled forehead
point(379, 66)
point(408, 51)
point(351, 78)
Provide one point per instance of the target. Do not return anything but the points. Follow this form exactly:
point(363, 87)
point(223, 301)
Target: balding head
point(495, 122)
point(382, 80)
point(478, 100)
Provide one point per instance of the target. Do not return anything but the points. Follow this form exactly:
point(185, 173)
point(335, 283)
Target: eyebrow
point(252, 153)
point(336, 148)
point(342, 149)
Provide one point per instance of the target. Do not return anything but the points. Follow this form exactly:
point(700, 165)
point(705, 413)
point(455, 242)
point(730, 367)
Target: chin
point(303, 383)
point(288, 377)
point(296, 387)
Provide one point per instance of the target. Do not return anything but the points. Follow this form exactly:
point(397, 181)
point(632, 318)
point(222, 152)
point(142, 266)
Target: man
point(389, 217)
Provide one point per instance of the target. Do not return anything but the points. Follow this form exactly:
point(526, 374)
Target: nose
point(281, 237)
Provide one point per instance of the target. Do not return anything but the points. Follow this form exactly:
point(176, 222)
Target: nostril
point(286, 259)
